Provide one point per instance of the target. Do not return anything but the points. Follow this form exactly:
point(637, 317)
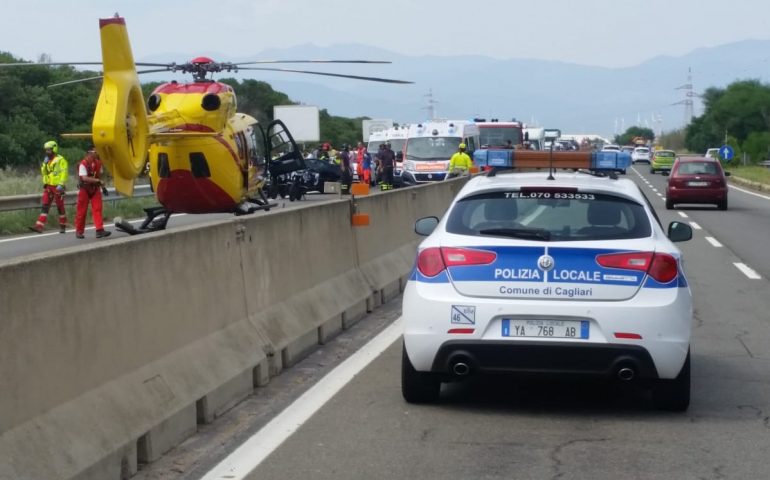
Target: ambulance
point(430, 145)
point(396, 135)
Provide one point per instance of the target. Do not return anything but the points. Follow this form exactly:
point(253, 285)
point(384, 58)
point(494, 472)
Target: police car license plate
point(546, 328)
point(698, 184)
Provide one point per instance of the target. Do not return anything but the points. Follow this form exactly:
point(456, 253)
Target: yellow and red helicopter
point(203, 156)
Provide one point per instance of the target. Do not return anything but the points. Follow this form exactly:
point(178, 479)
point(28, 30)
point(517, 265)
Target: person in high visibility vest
point(54, 172)
point(90, 191)
point(460, 163)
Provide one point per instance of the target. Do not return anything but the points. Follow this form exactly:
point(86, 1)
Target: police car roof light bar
point(511, 159)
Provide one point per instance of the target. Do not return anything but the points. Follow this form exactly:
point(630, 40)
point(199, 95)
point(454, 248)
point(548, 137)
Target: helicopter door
point(283, 154)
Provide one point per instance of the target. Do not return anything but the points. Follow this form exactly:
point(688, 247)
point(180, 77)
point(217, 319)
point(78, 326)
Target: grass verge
point(754, 173)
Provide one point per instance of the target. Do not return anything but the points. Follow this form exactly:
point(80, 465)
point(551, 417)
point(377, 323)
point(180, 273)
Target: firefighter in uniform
point(90, 190)
point(460, 163)
point(54, 172)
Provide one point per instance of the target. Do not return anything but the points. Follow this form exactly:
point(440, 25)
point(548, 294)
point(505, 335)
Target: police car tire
point(673, 395)
point(417, 387)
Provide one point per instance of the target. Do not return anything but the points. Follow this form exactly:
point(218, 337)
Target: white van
point(396, 135)
point(430, 145)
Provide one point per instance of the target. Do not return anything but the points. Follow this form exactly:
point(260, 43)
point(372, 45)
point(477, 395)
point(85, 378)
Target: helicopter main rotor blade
point(311, 61)
point(340, 75)
point(154, 70)
point(51, 64)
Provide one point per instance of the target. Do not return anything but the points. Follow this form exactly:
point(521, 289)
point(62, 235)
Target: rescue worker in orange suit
point(54, 171)
point(90, 191)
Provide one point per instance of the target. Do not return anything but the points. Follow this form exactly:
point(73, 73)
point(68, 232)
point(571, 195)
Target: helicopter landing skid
point(156, 219)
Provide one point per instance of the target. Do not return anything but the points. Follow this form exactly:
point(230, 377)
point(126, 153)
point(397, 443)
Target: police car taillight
point(660, 266)
point(432, 261)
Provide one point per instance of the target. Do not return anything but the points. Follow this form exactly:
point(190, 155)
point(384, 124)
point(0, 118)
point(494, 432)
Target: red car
point(697, 180)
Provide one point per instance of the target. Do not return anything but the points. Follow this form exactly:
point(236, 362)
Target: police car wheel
point(673, 395)
point(417, 387)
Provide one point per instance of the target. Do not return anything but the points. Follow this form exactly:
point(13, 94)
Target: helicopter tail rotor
point(120, 128)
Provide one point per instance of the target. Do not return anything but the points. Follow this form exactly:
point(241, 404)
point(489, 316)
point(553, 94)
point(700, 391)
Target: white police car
point(571, 275)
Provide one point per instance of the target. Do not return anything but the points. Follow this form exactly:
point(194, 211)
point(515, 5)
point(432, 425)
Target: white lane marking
point(659, 194)
point(72, 230)
point(713, 241)
point(682, 214)
point(654, 189)
point(695, 226)
point(248, 456)
point(746, 270)
point(749, 192)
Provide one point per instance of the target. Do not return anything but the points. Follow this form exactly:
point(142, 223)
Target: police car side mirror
point(425, 226)
point(679, 232)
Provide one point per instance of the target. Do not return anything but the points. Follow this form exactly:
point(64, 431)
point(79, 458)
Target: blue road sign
point(726, 152)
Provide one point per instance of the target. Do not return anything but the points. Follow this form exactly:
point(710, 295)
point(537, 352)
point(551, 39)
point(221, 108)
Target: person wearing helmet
point(460, 163)
point(54, 172)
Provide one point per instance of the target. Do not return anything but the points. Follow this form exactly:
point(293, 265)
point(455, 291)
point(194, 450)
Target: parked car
point(662, 160)
point(573, 275)
point(640, 154)
point(712, 153)
point(697, 180)
point(611, 148)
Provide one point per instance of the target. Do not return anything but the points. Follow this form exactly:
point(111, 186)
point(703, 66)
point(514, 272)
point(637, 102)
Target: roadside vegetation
point(754, 173)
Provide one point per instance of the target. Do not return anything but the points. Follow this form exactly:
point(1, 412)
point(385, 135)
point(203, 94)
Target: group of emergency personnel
point(371, 170)
point(90, 189)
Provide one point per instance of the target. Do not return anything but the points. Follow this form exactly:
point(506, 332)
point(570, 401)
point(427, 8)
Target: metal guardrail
point(24, 202)
point(766, 163)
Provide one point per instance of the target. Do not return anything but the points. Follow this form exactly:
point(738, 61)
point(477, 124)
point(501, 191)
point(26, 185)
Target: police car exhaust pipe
point(626, 374)
point(461, 369)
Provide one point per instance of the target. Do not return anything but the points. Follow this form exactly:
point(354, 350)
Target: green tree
point(673, 140)
point(628, 136)
point(738, 111)
point(757, 146)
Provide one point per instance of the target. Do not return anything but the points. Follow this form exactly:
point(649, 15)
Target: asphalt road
point(503, 428)
point(32, 243)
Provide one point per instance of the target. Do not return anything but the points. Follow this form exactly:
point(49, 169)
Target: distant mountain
point(575, 98)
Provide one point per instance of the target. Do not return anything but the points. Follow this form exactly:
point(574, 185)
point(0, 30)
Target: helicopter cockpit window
point(211, 102)
point(256, 148)
point(153, 102)
point(198, 165)
point(163, 168)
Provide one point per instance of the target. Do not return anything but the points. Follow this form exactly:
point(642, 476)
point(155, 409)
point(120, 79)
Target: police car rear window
point(549, 215)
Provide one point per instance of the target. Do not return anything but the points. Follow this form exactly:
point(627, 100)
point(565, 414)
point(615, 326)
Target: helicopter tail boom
point(120, 128)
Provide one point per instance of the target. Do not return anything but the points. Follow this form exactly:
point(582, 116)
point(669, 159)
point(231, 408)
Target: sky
point(608, 33)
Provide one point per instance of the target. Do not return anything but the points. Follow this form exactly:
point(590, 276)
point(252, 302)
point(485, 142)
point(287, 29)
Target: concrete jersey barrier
point(111, 355)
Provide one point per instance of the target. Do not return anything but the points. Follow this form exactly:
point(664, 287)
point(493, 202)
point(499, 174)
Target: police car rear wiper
point(524, 233)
